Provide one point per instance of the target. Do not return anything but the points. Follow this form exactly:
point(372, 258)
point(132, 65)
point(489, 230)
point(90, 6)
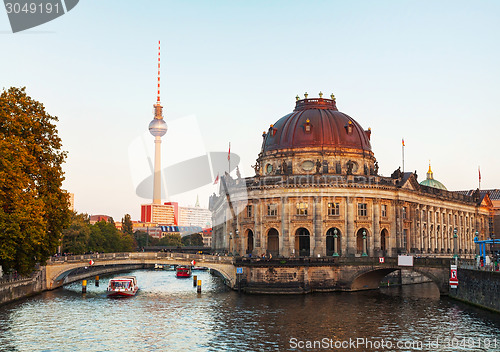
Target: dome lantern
point(431, 182)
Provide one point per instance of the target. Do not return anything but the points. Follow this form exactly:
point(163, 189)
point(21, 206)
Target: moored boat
point(183, 271)
point(169, 267)
point(122, 286)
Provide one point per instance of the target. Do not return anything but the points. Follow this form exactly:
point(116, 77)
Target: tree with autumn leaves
point(33, 206)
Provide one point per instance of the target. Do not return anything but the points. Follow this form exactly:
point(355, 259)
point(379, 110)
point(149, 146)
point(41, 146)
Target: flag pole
point(229, 157)
point(403, 153)
point(479, 171)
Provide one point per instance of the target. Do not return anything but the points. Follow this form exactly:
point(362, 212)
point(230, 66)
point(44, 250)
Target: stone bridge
point(334, 274)
point(58, 269)
point(259, 275)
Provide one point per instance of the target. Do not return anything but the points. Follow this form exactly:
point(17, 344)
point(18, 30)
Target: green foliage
point(33, 207)
point(128, 242)
point(194, 239)
point(127, 226)
point(143, 239)
point(103, 237)
point(173, 239)
point(77, 235)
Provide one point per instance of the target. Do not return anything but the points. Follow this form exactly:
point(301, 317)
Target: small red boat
point(122, 286)
point(183, 271)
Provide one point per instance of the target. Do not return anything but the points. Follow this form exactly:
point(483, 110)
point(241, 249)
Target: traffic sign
point(239, 270)
point(453, 276)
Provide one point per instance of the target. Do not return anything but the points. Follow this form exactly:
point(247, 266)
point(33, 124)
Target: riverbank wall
point(11, 290)
point(479, 288)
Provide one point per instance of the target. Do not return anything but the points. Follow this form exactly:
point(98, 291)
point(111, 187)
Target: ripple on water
point(168, 315)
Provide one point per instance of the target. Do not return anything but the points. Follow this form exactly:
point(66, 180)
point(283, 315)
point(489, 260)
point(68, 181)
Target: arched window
point(302, 242)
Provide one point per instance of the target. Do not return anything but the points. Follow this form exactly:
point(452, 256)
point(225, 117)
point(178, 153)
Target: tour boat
point(183, 271)
point(122, 286)
point(200, 268)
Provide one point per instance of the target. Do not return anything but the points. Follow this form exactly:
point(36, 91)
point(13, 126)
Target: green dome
point(431, 182)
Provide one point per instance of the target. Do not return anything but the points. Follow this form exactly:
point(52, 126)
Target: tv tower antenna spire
point(158, 128)
point(158, 99)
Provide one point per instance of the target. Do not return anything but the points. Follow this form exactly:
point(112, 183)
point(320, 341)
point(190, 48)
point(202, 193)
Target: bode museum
point(317, 192)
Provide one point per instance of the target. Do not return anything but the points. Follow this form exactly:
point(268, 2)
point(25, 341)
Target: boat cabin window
point(120, 284)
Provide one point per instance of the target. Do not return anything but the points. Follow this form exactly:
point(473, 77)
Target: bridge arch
point(57, 273)
point(369, 279)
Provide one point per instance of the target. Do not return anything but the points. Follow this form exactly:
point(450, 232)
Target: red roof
point(317, 123)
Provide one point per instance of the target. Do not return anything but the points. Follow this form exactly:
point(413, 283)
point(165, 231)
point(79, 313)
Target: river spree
point(168, 315)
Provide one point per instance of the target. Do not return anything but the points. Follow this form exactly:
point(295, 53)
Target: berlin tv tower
point(158, 128)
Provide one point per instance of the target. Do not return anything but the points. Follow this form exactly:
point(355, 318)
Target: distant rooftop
point(493, 193)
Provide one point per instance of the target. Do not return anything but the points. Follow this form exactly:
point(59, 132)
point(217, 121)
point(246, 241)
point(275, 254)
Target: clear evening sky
point(425, 71)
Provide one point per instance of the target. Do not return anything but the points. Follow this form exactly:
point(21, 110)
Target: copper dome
point(317, 123)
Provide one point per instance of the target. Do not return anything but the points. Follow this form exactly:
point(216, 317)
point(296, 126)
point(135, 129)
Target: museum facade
point(317, 192)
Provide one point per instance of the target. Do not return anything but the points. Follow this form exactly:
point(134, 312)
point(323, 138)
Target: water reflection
point(168, 315)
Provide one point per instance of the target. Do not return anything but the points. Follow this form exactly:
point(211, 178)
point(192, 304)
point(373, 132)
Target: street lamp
point(364, 245)
point(492, 237)
point(335, 244)
point(455, 241)
point(236, 244)
point(477, 245)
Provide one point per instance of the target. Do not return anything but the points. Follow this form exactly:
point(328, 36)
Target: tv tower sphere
point(158, 127)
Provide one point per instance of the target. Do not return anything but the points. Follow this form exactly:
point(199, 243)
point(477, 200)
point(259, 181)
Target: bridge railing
point(82, 257)
point(472, 264)
point(388, 261)
point(139, 255)
point(13, 277)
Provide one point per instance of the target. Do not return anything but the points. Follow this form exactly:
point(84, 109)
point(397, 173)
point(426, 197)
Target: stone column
point(392, 243)
point(430, 229)
point(259, 228)
point(289, 214)
point(319, 238)
point(437, 227)
point(423, 227)
point(285, 228)
point(241, 236)
point(413, 228)
point(376, 251)
point(397, 214)
point(435, 231)
point(255, 226)
point(462, 233)
point(350, 235)
point(343, 237)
